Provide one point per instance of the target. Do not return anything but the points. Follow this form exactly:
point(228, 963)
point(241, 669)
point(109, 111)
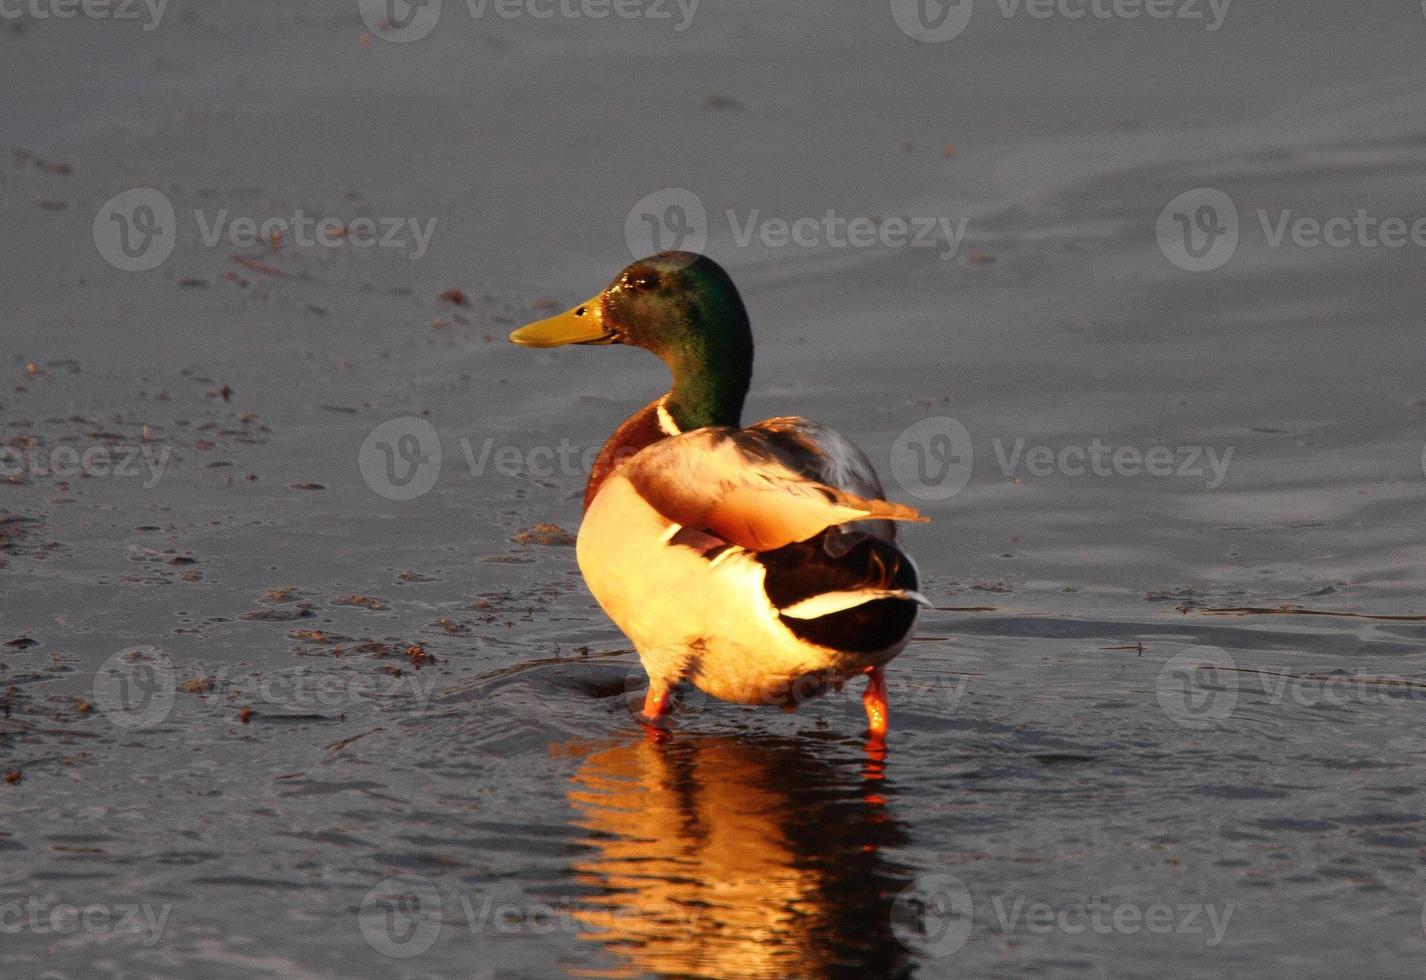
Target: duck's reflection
point(728, 858)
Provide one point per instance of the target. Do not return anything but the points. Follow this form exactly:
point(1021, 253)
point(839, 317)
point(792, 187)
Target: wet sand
point(354, 720)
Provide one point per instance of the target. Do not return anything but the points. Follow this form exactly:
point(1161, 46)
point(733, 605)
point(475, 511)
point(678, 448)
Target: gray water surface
point(276, 722)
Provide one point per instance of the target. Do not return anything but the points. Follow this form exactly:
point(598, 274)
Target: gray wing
point(819, 453)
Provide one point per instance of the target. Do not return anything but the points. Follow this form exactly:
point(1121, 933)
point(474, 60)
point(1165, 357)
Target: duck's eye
point(645, 280)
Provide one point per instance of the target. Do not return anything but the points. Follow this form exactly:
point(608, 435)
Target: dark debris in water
point(301, 611)
point(1288, 609)
point(320, 637)
point(545, 534)
point(363, 601)
point(1060, 758)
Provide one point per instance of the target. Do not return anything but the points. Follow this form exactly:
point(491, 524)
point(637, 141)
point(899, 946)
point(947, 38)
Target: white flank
point(833, 602)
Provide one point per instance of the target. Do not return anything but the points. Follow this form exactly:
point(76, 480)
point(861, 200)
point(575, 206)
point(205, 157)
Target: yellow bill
point(584, 324)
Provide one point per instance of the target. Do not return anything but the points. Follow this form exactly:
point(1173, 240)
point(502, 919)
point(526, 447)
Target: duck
point(758, 563)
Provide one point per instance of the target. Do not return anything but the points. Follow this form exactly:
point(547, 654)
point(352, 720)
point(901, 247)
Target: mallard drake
point(757, 563)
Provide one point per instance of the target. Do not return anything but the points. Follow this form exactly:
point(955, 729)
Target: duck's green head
point(683, 308)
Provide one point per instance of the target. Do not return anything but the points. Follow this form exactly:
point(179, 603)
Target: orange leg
point(874, 699)
point(658, 700)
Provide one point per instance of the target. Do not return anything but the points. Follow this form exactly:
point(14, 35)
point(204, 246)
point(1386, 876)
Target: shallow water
point(300, 728)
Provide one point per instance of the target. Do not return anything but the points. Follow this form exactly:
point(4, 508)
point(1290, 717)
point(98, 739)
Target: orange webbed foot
point(877, 713)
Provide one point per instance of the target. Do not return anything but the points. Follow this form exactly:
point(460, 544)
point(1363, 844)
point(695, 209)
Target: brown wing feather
point(736, 484)
point(827, 456)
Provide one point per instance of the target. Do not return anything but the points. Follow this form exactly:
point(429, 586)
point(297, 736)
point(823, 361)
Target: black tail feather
point(820, 565)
